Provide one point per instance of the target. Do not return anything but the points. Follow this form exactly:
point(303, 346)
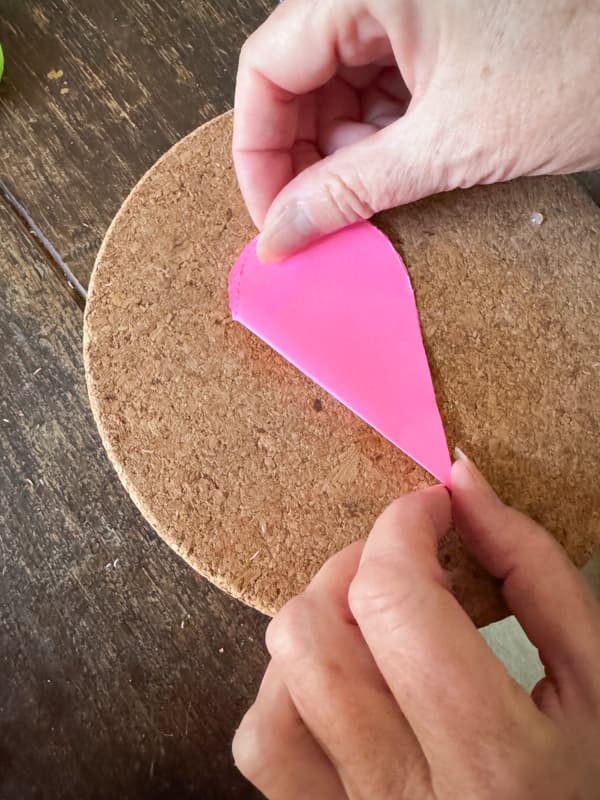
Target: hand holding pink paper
point(343, 311)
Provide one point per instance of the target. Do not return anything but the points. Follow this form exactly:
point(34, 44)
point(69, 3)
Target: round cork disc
point(252, 473)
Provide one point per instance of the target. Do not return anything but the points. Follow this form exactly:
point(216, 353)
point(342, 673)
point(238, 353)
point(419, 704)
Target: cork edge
point(249, 598)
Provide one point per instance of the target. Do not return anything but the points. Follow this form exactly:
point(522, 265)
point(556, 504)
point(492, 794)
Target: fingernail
point(471, 476)
point(285, 232)
point(459, 455)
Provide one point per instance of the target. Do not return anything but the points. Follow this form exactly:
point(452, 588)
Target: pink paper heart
point(343, 311)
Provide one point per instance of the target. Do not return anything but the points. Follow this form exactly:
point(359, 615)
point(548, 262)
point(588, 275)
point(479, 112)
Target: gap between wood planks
point(60, 268)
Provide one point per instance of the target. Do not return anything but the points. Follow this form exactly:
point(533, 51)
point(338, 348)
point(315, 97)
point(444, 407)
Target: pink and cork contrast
point(253, 473)
point(343, 311)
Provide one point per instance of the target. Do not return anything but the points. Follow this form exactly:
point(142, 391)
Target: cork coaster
point(251, 472)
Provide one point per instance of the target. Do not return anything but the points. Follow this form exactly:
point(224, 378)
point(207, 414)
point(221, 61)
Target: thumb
point(403, 162)
point(542, 588)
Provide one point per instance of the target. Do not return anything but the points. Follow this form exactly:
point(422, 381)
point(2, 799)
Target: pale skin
point(379, 685)
point(346, 107)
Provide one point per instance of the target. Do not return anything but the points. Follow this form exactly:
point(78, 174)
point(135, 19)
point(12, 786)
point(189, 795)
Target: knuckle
point(264, 740)
point(246, 50)
point(242, 58)
point(250, 746)
point(379, 591)
point(368, 594)
point(348, 197)
point(249, 52)
point(349, 40)
point(286, 632)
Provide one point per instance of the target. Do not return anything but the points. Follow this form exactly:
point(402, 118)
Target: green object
point(1, 62)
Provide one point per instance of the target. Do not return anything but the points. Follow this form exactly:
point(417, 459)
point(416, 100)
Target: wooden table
point(123, 674)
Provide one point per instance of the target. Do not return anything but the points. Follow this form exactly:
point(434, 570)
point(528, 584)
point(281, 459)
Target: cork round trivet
point(252, 473)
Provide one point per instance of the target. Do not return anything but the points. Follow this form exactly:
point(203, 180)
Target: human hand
point(380, 686)
point(495, 89)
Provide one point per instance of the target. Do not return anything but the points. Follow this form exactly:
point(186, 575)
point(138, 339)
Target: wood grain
point(123, 674)
point(94, 92)
point(103, 693)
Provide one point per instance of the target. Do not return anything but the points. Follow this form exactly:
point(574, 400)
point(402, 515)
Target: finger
point(339, 692)
point(450, 686)
point(339, 116)
point(346, 115)
point(275, 69)
point(330, 584)
point(408, 159)
point(274, 750)
point(552, 601)
point(304, 151)
point(386, 99)
point(544, 694)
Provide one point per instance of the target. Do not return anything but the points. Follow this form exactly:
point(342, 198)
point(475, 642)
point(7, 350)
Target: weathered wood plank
point(94, 92)
point(123, 674)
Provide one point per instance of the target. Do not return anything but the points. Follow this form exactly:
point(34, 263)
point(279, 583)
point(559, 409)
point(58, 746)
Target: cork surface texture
point(252, 473)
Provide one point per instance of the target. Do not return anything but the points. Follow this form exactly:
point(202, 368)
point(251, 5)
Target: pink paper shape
point(343, 311)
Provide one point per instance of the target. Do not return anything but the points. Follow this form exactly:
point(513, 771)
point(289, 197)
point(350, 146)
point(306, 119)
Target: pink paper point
point(343, 311)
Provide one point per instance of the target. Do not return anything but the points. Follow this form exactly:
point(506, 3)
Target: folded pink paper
point(343, 311)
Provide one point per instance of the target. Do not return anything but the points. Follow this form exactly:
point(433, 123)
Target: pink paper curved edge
point(441, 473)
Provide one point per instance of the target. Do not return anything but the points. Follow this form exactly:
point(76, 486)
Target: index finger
point(448, 683)
point(544, 590)
point(276, 70)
